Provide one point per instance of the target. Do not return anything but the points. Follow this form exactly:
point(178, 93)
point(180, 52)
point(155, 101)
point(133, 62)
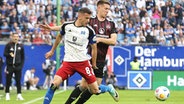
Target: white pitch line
point(37, 99)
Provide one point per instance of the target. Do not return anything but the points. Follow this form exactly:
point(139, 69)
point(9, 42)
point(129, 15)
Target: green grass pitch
point(126, 97)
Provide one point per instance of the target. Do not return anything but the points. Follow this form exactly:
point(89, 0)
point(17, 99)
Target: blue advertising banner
point(150, 58)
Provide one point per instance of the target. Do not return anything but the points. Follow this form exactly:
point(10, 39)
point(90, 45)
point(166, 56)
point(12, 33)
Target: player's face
point(84, 18)
point(103, 10)
point(15, 38)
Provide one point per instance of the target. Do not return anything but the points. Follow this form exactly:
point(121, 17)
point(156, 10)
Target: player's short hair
point(101, 2)
point(85, 10)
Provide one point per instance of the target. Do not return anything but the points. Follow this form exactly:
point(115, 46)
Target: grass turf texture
point(126, 97)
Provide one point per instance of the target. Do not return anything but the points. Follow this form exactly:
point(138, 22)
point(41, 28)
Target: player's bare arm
point(50, 28)
point(109, 41)
point(94, 56)
point(51, 52)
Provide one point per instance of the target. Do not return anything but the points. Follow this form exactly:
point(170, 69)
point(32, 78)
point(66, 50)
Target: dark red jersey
point(103, 29)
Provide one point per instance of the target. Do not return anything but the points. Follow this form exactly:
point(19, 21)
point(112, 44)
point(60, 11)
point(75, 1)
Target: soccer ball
point(162, 93)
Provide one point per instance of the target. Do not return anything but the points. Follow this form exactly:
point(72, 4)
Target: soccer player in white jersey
point(77, 37)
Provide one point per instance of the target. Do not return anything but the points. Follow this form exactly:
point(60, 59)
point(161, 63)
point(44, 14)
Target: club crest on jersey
point(74, 38)
point(11, 49)
point(101, 30)
point(83, 32)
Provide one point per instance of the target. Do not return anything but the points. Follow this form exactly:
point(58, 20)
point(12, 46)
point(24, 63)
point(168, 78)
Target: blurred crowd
point(138, 22)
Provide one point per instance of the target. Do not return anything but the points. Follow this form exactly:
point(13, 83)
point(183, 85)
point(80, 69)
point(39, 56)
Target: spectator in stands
point(31, 7)
point(177, 30)
point(41, 18)
point(140, 4)
point(47, 37)
point(48, 11)
point(179, 13)
point(13, 17)
point(76, 9)
point(139, 33)
point(130, 10)
point(156, 15)
point(116, 14)
point(30, 79)
point(169, 34)
point(142, 13)
point(37, 37)
point(134, 15)
point(171, 18)
point(5, 30)
point(146, 18)
point(160, 38)
point(24, 18)
point(125, 42)
point(21, 7)
point(130, 32)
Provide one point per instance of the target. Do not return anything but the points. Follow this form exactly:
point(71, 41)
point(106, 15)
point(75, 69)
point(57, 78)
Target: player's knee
point(94, 91)
point(82, 87)
point(57, 81)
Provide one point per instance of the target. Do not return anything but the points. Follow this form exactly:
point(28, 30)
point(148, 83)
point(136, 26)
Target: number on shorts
point(88, 71)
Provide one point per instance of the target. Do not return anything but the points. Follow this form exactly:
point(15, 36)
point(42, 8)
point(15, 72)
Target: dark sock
point(84, 97)
point(74, 95)
point(49, 95)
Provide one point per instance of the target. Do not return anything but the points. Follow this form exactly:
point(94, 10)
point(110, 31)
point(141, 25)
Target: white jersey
point(76, 41)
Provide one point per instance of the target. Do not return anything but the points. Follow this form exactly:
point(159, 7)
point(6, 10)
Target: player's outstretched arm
point(51, 52)
point(50, 28)
point(109, 41)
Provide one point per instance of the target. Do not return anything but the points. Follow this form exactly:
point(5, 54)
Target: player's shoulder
point(109, 19)
point(68, 22)
point(89, 27)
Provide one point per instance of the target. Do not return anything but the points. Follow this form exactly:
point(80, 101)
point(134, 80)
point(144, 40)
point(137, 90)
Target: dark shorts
point(99, 72)
point(67, 69)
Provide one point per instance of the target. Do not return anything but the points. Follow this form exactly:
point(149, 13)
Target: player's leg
point(99, 75)
point(18, 74)
point(8, 83)
point(61, 75)
point(93, 89)
point(50, 92)
point(77, 91)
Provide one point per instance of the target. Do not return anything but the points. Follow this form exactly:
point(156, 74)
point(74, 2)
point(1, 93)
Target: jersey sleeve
point(62, 31)
point(113, 30)
point(92, 36)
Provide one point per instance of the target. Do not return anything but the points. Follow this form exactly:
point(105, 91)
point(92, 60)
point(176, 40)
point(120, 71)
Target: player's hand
point(49, 54)
point(94, 67)
point(45, 27)
point(11, 54)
